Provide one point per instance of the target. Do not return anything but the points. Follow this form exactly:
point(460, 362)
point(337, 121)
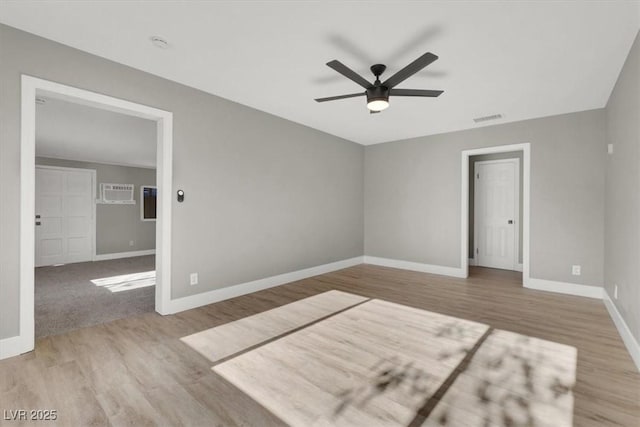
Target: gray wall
point(263, 195)
point(412, 195)
point(472, 165)
point(116, 225)
point(622, 219)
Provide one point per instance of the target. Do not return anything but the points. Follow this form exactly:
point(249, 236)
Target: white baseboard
point(565, 288)
point(198, 300)
point(12, 346)
point(518, 267)
point(415, 266)
point(623, 329)
point(118, 255)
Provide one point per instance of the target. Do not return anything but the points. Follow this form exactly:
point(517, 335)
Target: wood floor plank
point(236, 408)
point(164, 381)
point(249, 331)
point(379, 363)
point(126, 405)
point(512, 379)
point(72, 396)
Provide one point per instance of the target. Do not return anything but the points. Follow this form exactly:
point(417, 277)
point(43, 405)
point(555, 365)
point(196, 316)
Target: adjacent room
point(266, 213)
point(95, 216)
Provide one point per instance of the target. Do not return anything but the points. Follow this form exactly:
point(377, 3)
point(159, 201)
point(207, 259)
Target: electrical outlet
point(615, 291)
point(575, 270)
point(130, 242)
point(193, 279)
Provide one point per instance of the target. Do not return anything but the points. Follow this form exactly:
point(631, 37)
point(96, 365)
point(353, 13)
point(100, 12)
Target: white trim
point(11, 346)
point(65, 168)
point(164, 182)
point(416, 266)
point(26, 340)
point(464, 203)
point(84, 160)
point(198, 300)
point(519, 267)
point(623, 329)
point(565, 288)
point(30, 86)
point(94, 180)
point(129, 254)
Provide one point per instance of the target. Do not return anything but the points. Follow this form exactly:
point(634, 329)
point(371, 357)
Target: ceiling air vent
point(487, 118)
point(160, 42)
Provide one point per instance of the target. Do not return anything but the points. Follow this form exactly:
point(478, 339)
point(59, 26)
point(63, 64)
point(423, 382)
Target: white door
point(64, 221)
point(496, 213)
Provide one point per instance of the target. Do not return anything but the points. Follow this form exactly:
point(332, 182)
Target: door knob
point(510, 221)
point(37, 216)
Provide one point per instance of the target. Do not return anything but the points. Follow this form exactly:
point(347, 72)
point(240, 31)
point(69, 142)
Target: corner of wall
point(625, 333)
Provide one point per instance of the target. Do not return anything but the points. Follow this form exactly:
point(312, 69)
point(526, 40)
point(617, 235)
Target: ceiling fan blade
point(349, 73)
point(415, 92)
point(410, 70)
point(333, 98)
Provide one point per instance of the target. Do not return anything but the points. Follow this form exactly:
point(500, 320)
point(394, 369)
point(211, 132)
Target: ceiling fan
point(378, 93)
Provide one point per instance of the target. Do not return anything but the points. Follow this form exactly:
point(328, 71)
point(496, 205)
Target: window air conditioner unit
point(121, 194)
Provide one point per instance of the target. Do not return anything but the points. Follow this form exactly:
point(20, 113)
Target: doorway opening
point(495, 212)
point(94, 231)
point(78, 246)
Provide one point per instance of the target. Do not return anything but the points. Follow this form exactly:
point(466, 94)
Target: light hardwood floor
point(138, 371)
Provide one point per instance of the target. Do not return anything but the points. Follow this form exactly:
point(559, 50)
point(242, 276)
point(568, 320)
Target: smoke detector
point(487, 118)
point(159, 42)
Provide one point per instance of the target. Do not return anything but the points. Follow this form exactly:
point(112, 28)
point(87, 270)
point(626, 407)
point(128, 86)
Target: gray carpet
point(66, 299)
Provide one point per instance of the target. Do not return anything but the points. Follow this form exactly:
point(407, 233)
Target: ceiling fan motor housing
point(377, 93)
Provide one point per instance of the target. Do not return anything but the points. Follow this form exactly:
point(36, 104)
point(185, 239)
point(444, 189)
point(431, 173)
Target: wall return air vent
point(487, 118)
point(121, 194)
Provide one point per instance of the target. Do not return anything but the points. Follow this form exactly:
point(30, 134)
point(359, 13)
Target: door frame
point(464, 203)
point(93, 202)
point(516, 240)
point(32, 86)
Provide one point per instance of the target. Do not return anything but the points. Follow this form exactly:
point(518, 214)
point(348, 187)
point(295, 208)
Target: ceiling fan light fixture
point(377, 98)
point(377, 104)
point(378, 92)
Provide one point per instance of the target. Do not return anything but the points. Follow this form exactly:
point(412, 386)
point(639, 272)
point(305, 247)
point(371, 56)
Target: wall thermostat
point(180, 196)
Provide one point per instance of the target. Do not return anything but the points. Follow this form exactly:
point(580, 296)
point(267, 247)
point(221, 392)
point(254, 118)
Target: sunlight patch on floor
point(231, 338)
point(371, 362)
point(512, 380)
point(127, 282)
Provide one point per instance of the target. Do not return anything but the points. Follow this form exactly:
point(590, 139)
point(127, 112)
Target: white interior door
point(496, 213)
point(65, 225)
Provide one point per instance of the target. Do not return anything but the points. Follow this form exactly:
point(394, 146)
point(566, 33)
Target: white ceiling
point(520, 59)
point(65, 130)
